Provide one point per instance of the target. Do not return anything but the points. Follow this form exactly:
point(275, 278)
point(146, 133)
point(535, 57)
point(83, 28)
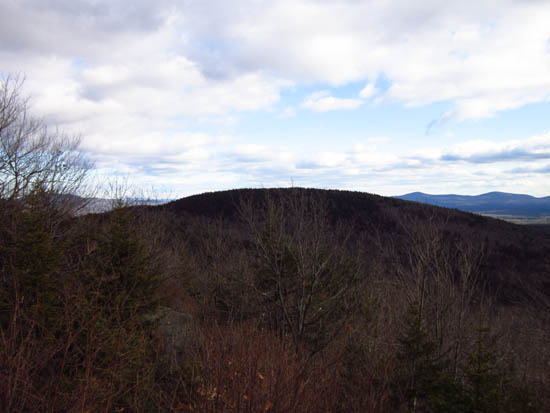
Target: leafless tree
point(306, 275)
point(441, 274)
point(33, 157)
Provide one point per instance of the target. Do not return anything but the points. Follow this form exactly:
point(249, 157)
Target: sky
point(381, 96)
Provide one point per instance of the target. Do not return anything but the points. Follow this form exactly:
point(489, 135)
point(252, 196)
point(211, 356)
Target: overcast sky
point(386, 97)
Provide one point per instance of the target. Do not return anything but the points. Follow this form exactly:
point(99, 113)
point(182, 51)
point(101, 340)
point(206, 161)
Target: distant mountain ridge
point(499, 204)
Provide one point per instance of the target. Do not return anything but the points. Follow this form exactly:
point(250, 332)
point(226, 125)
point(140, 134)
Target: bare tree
point(305, 273)
point(33, 157)
point(441, 275)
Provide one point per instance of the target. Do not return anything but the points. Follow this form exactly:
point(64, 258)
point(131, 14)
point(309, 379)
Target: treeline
point(268, 302)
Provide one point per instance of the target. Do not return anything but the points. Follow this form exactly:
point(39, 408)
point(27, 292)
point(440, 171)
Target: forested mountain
point(283, 300)
point(512, 253)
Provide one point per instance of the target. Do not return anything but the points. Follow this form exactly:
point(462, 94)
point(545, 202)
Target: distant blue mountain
point(492, 203)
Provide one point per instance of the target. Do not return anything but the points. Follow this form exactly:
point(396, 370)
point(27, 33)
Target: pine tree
point(122, 292)
point(424, 382)
point(129, 283)
point(31, 263)
point(489, 386)
point(484, 379)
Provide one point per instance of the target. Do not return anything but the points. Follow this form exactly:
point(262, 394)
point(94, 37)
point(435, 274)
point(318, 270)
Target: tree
point(40, 172)
point(305, 275)
point(441, 275)
point(78, 296)
point(490, 381)
point(424, 379)
point(33, 157)
point(129, 281)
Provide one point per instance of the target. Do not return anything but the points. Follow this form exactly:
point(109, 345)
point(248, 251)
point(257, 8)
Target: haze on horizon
point(384, 97)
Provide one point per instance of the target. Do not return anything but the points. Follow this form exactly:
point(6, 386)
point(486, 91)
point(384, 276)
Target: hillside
point(274, 300)
point(365, 289)
point(514, 256)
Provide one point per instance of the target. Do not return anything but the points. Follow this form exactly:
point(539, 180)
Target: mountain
point(330, 293)
point(498, 204)
point(512, 253)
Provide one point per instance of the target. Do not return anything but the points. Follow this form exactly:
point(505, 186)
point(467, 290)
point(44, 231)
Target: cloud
point(545, 169)
point(529, 150)
point(220, 162)
point(322, 102)
point(124, 86)
point(155, 87)
point(444, 119)
point(287, 112)
point(368, 91)
point(485, 58)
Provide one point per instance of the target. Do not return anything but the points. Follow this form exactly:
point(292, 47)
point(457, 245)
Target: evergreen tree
point(423, 383)
point(489, 385)
point(31, 261)
point(128, 281)
point(123, 292)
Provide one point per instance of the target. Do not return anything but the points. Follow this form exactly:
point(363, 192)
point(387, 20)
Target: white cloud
point(136, 81)
point(220, 163)
point(127, 88)
point(322, 102)
point(368, 91)
point(530, 150)
point(486, 57)
point(287, 112)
